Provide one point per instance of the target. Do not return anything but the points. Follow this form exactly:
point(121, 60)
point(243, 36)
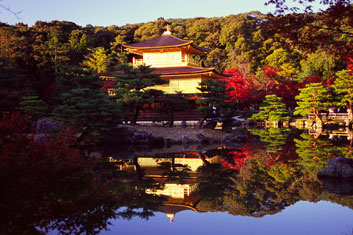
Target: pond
point(266, 186)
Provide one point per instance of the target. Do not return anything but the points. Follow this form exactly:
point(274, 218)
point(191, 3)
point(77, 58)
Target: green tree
point(34, 107)
point(12, 83)
point(273, 138)
point(343, 87)
point(83, 104)
point(118, 54)
point(313, 98)
point(320, 63)
point(134, 88)
point(272, 109)
point(215, 101)
point(171, 103)
point(313, 152)
point(99, 60)
point(50, 53)
point(78, 44)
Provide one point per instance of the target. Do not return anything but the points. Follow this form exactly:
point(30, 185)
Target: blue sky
point(121, 12)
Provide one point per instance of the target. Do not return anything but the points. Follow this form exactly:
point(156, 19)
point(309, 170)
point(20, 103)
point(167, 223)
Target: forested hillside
point(291, 48)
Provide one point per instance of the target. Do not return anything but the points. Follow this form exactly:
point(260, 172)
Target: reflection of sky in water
point(303, 218)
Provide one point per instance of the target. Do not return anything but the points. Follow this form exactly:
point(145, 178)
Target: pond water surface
point(266, 186)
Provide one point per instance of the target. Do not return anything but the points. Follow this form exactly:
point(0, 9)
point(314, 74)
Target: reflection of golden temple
point(175, 190)
point(190, 159)
point(171, 209)
point(181, 196)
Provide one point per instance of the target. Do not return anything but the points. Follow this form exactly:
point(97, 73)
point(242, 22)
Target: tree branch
point(8, 9)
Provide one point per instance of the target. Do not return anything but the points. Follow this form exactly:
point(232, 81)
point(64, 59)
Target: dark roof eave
point(165, 40)
point(175, 71)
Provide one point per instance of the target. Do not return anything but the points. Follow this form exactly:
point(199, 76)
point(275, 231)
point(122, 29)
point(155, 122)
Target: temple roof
point(184, 70)
point(166, 40)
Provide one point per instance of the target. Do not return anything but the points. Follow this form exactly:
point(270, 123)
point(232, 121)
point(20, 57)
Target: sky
point(122, 12)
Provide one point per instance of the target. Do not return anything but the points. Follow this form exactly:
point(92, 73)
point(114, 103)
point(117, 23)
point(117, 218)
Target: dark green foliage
point(343, 88)
point(171, 103)
point(313, 152)
point(214, 101)
point(69, 78)
point(12, 86)
point(83, 104)
point(133, 88)
point(272, 109)
point(34, 107)
point(313, 99)
point(273, 138)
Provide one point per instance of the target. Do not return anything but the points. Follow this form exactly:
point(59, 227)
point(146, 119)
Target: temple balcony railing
point(191, 61)
point(167, 62)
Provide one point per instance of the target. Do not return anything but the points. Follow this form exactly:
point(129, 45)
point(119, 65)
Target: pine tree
point(34, 107)
point(171, 103)
point(273, 138)
point(313, 98)
point(133, 88)
point(69, 78)
point(343, 87)
point(12, 83)
point(215, 101)
point(84, 105)
point(272, 109)
point(99, 60)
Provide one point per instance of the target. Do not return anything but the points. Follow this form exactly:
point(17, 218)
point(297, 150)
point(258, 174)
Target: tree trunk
point(138, 169)
point(134, 119)
point(317, 135)
point(171, 118)
point(203, 158)
point(202, 120)
point(318, 119)
point(349, 110)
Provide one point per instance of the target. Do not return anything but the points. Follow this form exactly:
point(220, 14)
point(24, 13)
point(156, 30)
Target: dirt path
point(176, 133)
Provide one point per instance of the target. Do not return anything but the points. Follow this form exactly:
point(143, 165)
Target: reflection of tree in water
point(272, 138)
point(130, 188)
point(173, 171)
point(80, 202)
point(259, 189)
point(313, 153)
point(214, 181)
point(250, 191)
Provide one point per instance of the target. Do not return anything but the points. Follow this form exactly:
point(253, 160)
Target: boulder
point(235, 139)
point(121, 134)
point(185, 140)
point(41, 138)
point(210, 124)
point(202, 139)
point(48, 125)
point(338, 168)
point(141, 137)
point(340, 186)
point(125, 131)
point(227, 125)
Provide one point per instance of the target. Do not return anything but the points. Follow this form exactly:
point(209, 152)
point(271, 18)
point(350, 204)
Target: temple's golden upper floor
point(166, 51)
